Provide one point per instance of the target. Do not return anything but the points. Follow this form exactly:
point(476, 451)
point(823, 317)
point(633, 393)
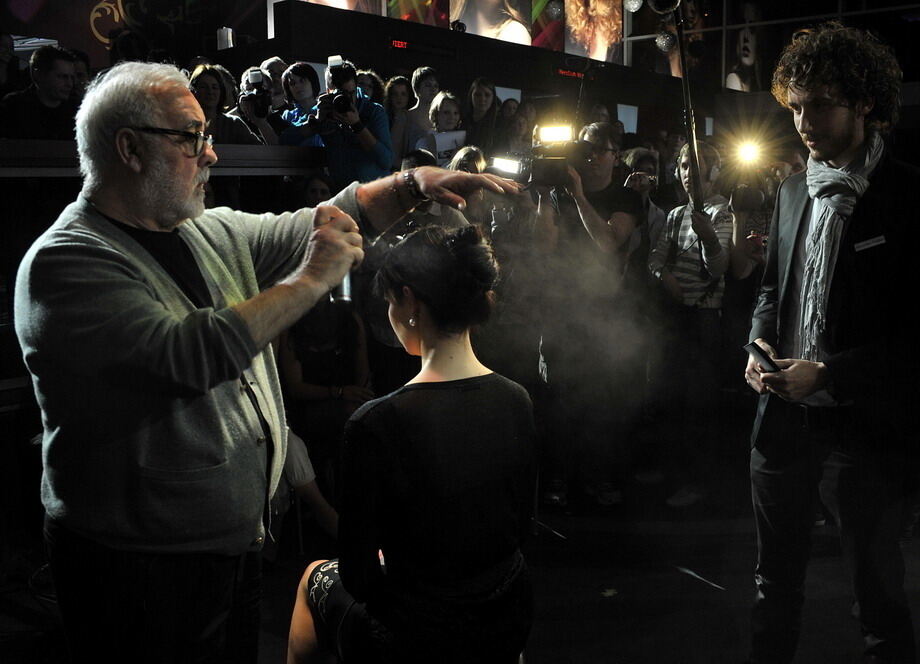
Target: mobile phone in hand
point(761, 357)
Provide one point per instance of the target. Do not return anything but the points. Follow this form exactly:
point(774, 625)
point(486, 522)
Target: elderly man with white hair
point(145, 321)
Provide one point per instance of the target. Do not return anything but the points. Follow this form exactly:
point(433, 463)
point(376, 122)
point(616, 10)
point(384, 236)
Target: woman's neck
point(485, 22)
point(448, 358)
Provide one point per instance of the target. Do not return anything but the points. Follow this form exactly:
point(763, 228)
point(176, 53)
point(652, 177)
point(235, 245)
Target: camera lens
point(341, 103)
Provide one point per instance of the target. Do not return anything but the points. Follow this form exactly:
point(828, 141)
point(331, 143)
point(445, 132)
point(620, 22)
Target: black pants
point(121, 606)
point(863, 486)
point(689, 417)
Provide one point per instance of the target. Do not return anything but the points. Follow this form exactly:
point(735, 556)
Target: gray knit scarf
point(836, 191)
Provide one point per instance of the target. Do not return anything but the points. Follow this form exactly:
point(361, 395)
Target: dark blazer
point(873, 290)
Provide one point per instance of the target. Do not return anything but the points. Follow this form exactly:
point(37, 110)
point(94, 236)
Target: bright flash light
point(748, 152)
point(558, 134)
point(510, 166)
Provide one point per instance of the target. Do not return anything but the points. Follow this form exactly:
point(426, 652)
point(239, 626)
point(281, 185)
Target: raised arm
point(385, 201)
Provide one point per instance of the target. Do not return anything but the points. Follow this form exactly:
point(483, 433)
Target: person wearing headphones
point(690, 259)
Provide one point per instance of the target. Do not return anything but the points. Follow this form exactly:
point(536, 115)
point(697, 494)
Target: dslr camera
point(339, 72)
point(261, 98)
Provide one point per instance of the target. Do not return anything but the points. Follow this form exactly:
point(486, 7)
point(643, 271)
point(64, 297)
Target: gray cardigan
point(151, 442)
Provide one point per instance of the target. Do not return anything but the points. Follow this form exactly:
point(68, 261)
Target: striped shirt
point(697, 288)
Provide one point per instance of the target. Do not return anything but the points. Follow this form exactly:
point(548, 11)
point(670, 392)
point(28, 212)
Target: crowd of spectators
point(609, 256)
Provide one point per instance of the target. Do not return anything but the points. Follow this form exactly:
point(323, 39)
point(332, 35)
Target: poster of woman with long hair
point(594, 29)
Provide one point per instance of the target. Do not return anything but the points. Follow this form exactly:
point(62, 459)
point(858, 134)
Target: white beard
point(160, 193)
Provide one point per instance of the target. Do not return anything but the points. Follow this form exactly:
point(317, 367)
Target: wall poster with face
point(429, 12)
point(594, 29)
point(508, 20)
point(743, 59)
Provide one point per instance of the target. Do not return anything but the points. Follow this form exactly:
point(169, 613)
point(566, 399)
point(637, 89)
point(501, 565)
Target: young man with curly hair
point(835, 418)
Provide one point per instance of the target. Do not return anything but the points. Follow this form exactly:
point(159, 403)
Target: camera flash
point(511, 166)
point(558, 134)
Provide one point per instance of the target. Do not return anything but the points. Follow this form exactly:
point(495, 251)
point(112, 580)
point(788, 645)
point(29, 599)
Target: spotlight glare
point(557, 134)
point(748, 152)
point(510, 166)
point(632, 5)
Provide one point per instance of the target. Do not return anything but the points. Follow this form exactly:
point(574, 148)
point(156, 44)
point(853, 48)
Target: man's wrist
point(357, 127)
point(304, 289)
point(412, 186)
point(824, 381)
point(404, 199)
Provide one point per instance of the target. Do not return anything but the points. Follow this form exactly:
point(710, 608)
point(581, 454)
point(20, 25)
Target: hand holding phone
point(760, 356)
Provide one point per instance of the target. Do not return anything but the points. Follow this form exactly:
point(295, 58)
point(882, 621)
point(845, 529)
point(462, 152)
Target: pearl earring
point(411, 322)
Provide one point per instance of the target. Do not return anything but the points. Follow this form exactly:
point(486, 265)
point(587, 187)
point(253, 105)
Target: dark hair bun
point(452, 272)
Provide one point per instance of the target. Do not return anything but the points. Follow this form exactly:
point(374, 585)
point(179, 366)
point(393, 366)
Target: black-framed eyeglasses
point(600, 150)
point(197, 139)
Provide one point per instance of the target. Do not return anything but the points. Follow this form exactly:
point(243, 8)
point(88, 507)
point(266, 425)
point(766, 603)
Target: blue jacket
point(348, 161)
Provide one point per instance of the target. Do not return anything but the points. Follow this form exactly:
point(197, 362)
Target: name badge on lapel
point(868, 244)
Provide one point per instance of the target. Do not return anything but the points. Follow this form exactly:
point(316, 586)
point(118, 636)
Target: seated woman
point(438, 482)
point(447, 137)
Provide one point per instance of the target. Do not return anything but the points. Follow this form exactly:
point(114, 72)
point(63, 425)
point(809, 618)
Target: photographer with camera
point(254, 106)
point(354, 129)
point(642, 165)
point(588, 381)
